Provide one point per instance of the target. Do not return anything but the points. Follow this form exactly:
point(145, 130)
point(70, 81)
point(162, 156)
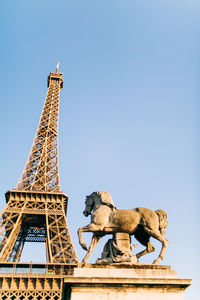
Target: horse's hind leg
point(157, 235)
point(143, 237)
point(149, 248)
point(95, 240)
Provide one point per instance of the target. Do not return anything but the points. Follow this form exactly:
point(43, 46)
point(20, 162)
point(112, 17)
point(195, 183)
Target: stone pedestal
point(123, 282)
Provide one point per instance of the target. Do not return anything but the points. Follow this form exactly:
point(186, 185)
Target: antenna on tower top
point(57, 67)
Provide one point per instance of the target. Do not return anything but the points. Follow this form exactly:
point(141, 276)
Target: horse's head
point(96, 199)
point(89, 205)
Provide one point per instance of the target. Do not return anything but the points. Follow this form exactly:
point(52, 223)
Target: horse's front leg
point(80, 230)
point(95, 240)
point(89, 228)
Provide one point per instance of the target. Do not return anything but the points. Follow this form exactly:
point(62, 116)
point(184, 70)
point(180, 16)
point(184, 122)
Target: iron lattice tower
point(36, 209)
point(41, 170)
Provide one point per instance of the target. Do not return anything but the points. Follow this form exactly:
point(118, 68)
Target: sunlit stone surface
point(138, 282)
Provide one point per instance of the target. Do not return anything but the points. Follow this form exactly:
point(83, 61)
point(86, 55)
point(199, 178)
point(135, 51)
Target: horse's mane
point(105, 198)
point(162, 215)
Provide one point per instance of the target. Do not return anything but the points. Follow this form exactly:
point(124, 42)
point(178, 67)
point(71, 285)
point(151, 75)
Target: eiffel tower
point(36, 209)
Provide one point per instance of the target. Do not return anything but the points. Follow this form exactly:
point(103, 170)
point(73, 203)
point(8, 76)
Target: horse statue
point(141, 222)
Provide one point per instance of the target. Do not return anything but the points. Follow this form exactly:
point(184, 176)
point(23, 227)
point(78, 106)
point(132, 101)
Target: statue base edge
point(138, 282)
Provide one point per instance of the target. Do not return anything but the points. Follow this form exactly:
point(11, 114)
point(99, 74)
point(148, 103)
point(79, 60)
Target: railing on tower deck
point(37, 268)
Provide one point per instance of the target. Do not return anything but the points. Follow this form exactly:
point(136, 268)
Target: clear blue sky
point(128, 111)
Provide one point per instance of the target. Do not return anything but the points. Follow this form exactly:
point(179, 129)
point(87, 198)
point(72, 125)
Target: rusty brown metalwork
point(36, 209)
point(41, 169)
point(29, 281)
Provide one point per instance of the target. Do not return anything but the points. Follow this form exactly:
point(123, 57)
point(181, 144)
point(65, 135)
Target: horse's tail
point(162, 215)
